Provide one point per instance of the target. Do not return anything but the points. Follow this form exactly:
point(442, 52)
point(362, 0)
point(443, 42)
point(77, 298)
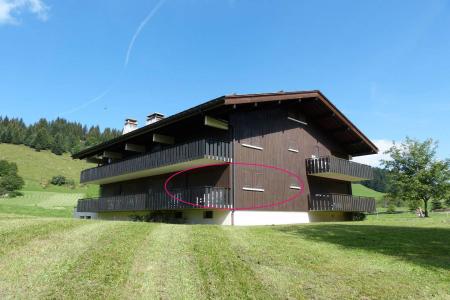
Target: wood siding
point(213, 176)
point(285, 144)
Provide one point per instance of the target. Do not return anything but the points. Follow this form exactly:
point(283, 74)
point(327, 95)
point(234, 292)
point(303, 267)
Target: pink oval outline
point(291, 198)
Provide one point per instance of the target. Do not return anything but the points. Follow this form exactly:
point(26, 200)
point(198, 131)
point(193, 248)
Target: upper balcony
point(170, 159)
point(338, 168)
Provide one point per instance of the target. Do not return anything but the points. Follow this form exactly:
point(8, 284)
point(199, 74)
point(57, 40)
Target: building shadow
point(429, 247)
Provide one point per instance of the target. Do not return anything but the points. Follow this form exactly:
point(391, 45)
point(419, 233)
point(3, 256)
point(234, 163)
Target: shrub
point(391, 208)
point(58, 180)
point(358, 216)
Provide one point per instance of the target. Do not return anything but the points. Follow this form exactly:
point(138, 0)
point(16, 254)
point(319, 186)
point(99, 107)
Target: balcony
point(338, 168)
point(340, 202)
point(212, 197)
point(170, 159)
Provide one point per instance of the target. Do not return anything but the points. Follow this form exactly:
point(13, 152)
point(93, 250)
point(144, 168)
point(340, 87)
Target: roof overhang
point(365, 146)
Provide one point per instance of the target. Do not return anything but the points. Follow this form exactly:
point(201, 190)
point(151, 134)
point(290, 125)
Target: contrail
point(127, 58)
point(139, 29)
point(95, 99)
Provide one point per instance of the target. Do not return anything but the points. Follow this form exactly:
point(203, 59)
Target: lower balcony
point(211, 197)
point(341, 202)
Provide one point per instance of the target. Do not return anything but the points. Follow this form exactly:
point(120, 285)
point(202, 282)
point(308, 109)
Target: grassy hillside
point(36, 167)
point(397, 258)
point(361, 190)
point(43, 204)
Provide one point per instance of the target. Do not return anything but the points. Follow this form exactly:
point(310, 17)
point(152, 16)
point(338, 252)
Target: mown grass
point(385, 257)
point(43, 204)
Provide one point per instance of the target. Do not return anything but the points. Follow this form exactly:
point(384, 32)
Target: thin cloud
point(374, 160)
point(10, 9)
point(84, 105)
point(139, 29)
point(127, 58)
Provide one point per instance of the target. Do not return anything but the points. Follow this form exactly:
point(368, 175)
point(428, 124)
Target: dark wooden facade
point(308, 138)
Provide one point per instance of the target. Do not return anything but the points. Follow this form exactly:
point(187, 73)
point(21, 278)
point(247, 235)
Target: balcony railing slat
point(212, 197)
point(337, 165)
point(170, 155)
point(341, 202)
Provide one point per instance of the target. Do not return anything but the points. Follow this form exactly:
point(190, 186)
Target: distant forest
point(379, 182)
point(59, 136)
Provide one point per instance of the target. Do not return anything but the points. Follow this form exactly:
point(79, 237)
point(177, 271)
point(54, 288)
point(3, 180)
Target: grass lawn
point(36, 167)
point(385, 257)
point(45, 204)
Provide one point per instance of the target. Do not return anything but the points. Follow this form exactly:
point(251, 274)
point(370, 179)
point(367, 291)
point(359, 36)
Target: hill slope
point(361, 190)
point(36, 167)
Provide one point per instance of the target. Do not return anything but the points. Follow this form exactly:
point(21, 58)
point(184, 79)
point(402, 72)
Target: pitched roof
point(317, 106)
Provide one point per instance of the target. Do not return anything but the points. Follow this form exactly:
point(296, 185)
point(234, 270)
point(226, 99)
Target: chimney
point(154, 117)
point(130, 125)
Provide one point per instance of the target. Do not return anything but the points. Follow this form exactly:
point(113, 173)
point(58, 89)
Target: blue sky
point(385, 64)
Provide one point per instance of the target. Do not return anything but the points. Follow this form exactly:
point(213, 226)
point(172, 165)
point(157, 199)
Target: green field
point(385, 257)
point(47, 204)
point(361, 190)
point(46, 254)
point(37, 167)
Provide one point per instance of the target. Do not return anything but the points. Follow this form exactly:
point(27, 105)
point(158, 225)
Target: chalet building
point(256, 142)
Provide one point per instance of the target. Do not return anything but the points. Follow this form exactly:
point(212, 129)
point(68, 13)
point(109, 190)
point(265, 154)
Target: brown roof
point(319, 109)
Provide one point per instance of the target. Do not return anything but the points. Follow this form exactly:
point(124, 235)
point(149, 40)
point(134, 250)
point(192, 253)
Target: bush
point(391, 208)
point(358, 216)
point(58, 180)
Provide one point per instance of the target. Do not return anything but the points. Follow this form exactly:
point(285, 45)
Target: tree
point(415, 174)
point(10, 181)
point(58, 146)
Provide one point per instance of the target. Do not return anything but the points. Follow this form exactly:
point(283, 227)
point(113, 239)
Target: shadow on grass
point(429, 247)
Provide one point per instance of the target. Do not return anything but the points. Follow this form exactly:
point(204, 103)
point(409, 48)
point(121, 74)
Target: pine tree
point(58, 145)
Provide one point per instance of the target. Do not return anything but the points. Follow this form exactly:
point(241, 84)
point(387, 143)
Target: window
point(88, 217)
point(178, 215)
point(81, 217)
point(208, 214)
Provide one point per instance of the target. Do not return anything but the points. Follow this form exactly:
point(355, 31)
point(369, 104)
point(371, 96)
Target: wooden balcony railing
point(341, 202)
point(211, 197)
point(197, 149)
point(338, 168)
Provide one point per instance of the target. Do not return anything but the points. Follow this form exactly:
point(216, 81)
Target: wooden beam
point(111, 154)
point(324, 116)
point(339, 129)
point(163, 139)
point(135, 148)
point(216, 123)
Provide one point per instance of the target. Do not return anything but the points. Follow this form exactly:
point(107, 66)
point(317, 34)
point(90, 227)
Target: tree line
point(59, 135)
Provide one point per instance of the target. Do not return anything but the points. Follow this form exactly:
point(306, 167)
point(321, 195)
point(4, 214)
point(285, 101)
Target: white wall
point(252, 217)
